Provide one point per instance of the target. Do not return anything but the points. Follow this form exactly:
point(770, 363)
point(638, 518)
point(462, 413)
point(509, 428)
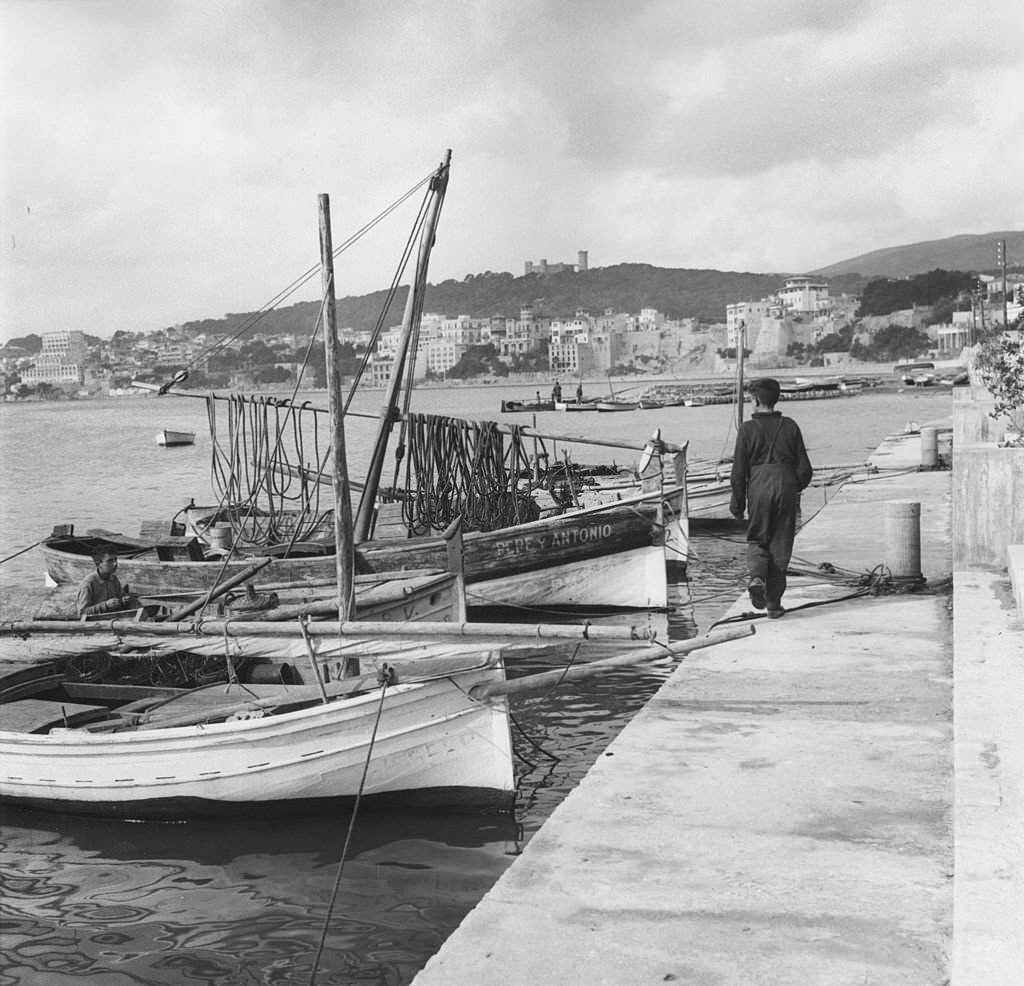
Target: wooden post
point(741, 344)
point(344, 553)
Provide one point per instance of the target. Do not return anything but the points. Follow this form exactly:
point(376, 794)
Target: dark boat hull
point(608, 556)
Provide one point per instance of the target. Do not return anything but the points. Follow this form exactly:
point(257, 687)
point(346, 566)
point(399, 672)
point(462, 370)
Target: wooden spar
point(218, 590)
point(547, 679)
point(410, 323)
point(344, 549)
point(326, 628)
point(528, 431)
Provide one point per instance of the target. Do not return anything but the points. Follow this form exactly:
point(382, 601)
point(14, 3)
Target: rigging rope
point(463, 468)
point(261, 469)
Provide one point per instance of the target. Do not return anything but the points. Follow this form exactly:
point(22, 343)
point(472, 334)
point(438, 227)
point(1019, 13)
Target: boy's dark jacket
point(752, 445)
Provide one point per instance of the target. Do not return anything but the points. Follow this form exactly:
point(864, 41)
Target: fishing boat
point(609, 405)
point(814, 388)
point(515, 407)
point(611, 554)
point(238, 746)
point(422, 722)
point(575, 405)
point(169, 438)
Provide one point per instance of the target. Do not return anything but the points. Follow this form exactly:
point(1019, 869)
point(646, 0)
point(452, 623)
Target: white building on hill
point(62, 360)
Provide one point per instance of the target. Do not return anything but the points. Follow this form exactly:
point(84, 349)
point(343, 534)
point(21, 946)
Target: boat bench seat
point(36, 715)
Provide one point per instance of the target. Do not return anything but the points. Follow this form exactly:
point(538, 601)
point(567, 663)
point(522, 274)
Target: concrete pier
point(783, 810)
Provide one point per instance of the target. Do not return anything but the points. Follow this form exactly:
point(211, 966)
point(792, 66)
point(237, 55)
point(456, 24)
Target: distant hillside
point(678, 292)
point(968, 252)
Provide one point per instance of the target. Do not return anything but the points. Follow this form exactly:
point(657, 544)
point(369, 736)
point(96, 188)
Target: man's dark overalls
point(770, 468)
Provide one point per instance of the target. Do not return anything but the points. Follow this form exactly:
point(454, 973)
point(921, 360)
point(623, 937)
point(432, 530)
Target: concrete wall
point(973, 420)
point(988, 485)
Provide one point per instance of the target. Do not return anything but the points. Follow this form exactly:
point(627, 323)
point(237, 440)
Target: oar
point(545, 679)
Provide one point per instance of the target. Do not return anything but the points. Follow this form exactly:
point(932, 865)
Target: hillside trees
point(883, 296)
point(478, 361)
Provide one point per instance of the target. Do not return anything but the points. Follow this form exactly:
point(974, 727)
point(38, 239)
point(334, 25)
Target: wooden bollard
point(903, 539)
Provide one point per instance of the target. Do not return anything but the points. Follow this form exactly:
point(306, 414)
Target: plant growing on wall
point(999, 362)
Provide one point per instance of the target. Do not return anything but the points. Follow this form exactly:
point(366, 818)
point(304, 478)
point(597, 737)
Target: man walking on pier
point(769, 469)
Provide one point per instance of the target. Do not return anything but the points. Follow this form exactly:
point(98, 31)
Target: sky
point(161, 159)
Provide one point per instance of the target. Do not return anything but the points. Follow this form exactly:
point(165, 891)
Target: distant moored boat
point(167, 437)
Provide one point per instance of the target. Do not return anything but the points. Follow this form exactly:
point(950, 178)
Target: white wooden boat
point(239, 748)
point(169, 438)
point(574, 405)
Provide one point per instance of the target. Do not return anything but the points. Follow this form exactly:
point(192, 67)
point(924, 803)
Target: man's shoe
point(774, 612)
point(756, 590)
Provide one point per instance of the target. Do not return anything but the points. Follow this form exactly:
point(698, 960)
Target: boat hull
point(432, 744)
point(532, 557)
point(169, 438)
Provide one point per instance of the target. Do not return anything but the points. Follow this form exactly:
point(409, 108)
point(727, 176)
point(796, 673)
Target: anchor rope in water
point(386, 677)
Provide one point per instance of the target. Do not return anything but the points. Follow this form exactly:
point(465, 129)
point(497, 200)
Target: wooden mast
point(344, 549)
point(741, 344)
point(410, 321)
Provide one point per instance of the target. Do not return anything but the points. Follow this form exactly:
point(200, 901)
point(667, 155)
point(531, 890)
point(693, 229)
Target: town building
point(61, 361)
point(804, 296)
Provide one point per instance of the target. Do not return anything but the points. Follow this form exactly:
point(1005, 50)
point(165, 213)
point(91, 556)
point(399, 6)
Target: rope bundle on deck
point(456, 467)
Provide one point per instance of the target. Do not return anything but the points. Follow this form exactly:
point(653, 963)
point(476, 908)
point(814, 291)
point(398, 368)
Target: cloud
point(171, 153)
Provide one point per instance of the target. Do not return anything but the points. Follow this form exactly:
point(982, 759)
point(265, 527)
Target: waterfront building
point(61, 361)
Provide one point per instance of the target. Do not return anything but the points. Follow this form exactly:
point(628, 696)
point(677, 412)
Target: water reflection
point(112, 902)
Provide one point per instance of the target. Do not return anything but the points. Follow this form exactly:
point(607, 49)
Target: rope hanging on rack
point(455, 467)
point(261, 470)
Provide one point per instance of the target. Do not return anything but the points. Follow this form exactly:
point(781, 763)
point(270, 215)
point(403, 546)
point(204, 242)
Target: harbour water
point(241, 902)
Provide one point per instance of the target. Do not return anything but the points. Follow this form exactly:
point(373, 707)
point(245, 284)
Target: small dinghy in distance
point(169, 438)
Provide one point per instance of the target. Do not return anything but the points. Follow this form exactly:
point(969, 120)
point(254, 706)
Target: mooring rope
point(386, 677)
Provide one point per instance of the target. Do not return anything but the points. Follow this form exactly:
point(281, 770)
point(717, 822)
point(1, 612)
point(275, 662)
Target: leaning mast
point(410, 322)
point(344, 547)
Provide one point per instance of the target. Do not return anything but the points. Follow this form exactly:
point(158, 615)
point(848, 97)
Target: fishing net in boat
point(471, 469)
point(266, 461)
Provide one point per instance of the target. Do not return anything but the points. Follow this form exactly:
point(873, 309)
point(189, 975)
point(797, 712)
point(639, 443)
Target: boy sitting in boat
point(102, 591)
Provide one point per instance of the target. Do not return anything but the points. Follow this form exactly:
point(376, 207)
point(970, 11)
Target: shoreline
point(883, 373)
